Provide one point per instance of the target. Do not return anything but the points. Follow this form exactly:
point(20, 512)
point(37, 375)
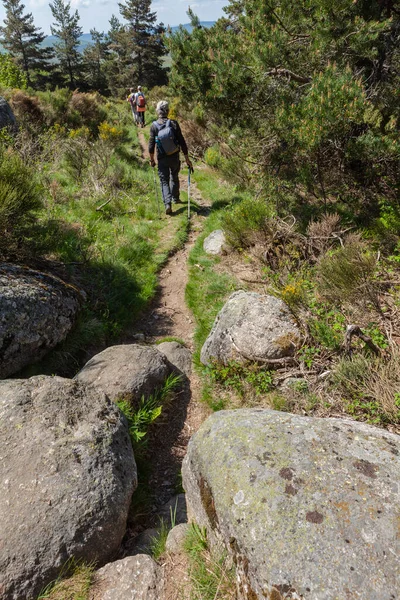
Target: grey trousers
point(168, 172)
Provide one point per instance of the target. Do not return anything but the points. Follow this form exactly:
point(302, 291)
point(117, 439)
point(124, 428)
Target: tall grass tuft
point(211, 572)
point(72, 583)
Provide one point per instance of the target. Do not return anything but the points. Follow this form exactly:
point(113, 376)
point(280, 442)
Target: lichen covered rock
point(251, 327)
point(309, 508)
point(67, 474)
point(37, 311)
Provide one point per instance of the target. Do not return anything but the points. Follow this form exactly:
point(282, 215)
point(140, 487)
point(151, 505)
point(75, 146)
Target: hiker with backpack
point(166, 135)
point(132, 99)
point(140, 106)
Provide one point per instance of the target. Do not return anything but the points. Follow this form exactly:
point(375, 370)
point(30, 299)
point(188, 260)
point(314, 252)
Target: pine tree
point(117, 64)
point(22, 39)
point(145, 46)
point(94, 57)
point(67, 29)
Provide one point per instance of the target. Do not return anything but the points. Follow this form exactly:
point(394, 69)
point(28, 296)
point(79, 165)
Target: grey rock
point(215, 242)
point(179, 356)
point(176, 538)
point(7, 117)
point(174, 511)
point(37, 311)
point(251, 327)
point(128, 371)
point(309, 508)
point(142, 543)
point(133, 578)
point(67, 475)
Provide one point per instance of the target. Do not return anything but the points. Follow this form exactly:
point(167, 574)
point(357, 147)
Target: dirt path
point(168, 316)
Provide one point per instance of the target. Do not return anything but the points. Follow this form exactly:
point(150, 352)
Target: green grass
point(212, 577)
point(73, 583)
point(207, 290)
point(171, 338)
point(114, 254)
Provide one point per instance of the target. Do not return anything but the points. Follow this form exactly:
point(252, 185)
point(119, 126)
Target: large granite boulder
point(7, 118)
point(251, 327)
point(309, 508)
point(37, 311)
point(133, 578)
point(129, 371)
point(67, 475)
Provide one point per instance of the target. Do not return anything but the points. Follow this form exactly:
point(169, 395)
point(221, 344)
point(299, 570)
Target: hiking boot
point(168, 209)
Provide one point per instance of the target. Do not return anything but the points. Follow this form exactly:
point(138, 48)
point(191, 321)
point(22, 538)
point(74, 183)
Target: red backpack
point(140, 101)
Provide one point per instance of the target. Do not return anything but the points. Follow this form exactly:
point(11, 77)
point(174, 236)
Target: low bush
point(20, 199)
point(346, 274)
point(27, 110)
point(370, 388)
point(245, 220)
point(212, 156)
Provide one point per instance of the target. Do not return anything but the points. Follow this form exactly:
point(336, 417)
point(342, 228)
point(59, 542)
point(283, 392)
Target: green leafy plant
point(141, 418)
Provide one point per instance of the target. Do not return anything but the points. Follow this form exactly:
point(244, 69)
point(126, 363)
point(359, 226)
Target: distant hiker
point(140, 106)
point(167, 136)
point(132, 99)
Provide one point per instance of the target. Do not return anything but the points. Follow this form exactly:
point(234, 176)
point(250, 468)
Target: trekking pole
point(189, 195)
point(155, 185)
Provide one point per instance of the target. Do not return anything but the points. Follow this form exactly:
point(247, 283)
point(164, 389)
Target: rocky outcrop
point(129, 371)
point(37, 311)
point(251, 327)
point(7, 118)
point(309, 508)
point(133, 578)
point(67, 474)
point(215, 242)
point(179, 356)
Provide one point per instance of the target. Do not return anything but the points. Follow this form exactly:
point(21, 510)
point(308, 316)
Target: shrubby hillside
point(297, 104)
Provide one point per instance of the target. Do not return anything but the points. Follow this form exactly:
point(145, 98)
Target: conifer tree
point(118, 60)
point(22, 39)
point(67, 29)
point(94, 57)
point(144, 43)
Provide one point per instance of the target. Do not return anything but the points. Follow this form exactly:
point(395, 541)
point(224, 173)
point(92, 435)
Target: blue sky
point(97, 13)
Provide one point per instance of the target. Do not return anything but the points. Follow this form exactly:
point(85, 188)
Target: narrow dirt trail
point(168, 316)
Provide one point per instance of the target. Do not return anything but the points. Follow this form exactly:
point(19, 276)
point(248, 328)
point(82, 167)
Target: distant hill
point(86, 38)
point(84, 41)
point(189, 28)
